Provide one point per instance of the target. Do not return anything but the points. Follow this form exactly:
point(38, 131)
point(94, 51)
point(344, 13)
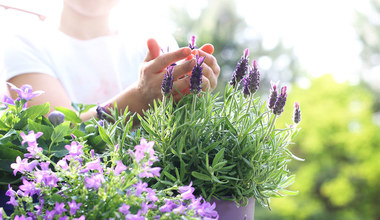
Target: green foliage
point(340, 144)
point(229, 150)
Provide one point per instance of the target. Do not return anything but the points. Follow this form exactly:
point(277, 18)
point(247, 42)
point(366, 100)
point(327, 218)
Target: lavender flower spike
point(167, 83)
point(241, 69)
point(196, 75)
point(251, 83)
point(192, 45)
point(280, 103)
point(273, 95)
point(296, 113)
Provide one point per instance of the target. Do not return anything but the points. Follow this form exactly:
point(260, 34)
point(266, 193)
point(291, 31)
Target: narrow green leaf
point(200, 176)
point(219, 156)
point(4, 139)
point(106, 138)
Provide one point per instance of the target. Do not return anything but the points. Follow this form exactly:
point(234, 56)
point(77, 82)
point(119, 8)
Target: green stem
point(272, 122)
point(51, 144)
point(249, 103)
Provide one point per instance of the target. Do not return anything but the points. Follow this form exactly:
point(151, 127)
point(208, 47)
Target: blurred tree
point(219, 23)
point(340, 144)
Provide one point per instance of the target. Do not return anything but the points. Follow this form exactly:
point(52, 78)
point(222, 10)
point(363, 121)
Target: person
point(86, 61)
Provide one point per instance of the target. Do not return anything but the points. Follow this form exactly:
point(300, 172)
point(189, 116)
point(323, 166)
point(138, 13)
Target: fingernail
point(190, 57)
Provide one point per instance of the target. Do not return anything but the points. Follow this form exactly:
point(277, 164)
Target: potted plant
point(227, 147)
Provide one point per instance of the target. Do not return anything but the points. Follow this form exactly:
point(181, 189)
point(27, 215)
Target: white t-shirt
point(91, 71)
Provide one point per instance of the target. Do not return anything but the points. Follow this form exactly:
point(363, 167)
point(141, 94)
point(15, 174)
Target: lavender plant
point(228, 147)
point(86, 185)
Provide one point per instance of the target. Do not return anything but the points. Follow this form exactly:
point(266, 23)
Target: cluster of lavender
point(251, 82)
point(86, 181)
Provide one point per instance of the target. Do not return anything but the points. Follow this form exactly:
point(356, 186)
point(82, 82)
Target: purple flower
point(137, 216)
point(296, 113)
point(168, 206)
point(46, 177)
point(11, 194)
point(63, 164)
point(140, 187)
point(56, 117)
point(167, 83)
point(240, 69)
point(8, 100)
point(31, 138)
point(149, 172)
point(50, 214)
point(124, 209)
point(120, 167)
point(273, 95)
point(95, 165)
point(33, 150)
point(95, 181)
point(59, 208)
point(25, 91)
point(187, 191)
point(196, 75)
point(74, 207)
point(80, 218)
point(280, 102)
point(101, 112)
point(75, 149)
point(142, 148)
point(20, 166)
point(179, 210)
point(151, 195)
point(22, 217)
point(192, 45)
point(252, 81)
point(207, 210)
point(144, 207)
point(28, 188)
point(63, 218)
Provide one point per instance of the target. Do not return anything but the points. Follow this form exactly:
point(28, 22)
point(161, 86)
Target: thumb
point(153, 50)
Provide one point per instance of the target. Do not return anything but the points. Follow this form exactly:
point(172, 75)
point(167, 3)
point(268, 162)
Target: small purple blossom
point(240, 69)
point(207, 210)
point(80, 218)
point(187, 191)
point(124, 209)
point(101, 112)
point(196, 75)
point(95, 165)
point(12, 195)
point(75, 149)
point(20, 166)
point(120, 167)
point(28, 188)
point(179, 210)
point(56, 117)
point(149, 172)
point(63, 164)
point(33, 150)
point(151, 195)
point(74, 207)
point(143, 148)
point(25, 91)
point(22, 217)
point(273, 95)
point(167, 83)
point(192, 44)
point(8, 100)
point(140, 187)
point(251, 82)
point(50, 214)
point(296, 113)
point(60, 208)
point(95, 181)
point(137, 216)
point(280, 102)
point(31, 138)
point(168, 206)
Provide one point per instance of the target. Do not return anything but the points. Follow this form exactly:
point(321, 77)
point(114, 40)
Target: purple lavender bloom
point(240, 69)
point(140, 187)
point(50, 214)
point(56, 117)
point(101, 112)
point(273, 95)
point(296, 113)
point(280, 102)
point(192, 45)
point(167, 83)
point(196, 75)
point(75, 149)
point(74, 207)
point(120, 167)
point(168, 206)
point(31, 138)
point(60, 208)
point(25, 91)
point(251, 83)
point(124, 209)
point(95, 181)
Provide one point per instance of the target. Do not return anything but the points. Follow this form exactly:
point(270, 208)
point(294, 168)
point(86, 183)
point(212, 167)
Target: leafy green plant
point(228, 147)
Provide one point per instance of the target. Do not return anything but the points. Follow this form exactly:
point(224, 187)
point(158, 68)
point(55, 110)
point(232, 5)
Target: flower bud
point(101, 112)
point(296, 113)
point(273, 95)
point(196, 75)
point(192, 45)
point(251, 83)
point(167, 83)
point(56, 117)
point(280, 102)
point(241, 69)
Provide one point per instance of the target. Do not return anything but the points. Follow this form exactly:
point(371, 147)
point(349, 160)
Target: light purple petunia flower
point(207, 210)
point(151, 195)
point(74, 207)
point(124, 209)
point(120, 167)
point(25, 91)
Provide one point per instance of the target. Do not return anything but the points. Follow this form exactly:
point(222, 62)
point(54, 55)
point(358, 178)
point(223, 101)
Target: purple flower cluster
point(251, 82)
point(167, 83)
point(277, 102)
point(196, 75)
point(296, 113)
point(240, 69)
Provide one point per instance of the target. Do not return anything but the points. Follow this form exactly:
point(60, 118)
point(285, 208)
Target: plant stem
point(272, 122)
point(51, 144)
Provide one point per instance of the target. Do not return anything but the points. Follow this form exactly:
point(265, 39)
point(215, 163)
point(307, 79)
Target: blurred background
point(327, 52)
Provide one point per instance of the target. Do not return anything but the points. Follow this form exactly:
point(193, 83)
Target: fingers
point(181, 87)
point(184, 68)
point(205, 84)
point(208, 73)
point(153, 50)
point(161, 62)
